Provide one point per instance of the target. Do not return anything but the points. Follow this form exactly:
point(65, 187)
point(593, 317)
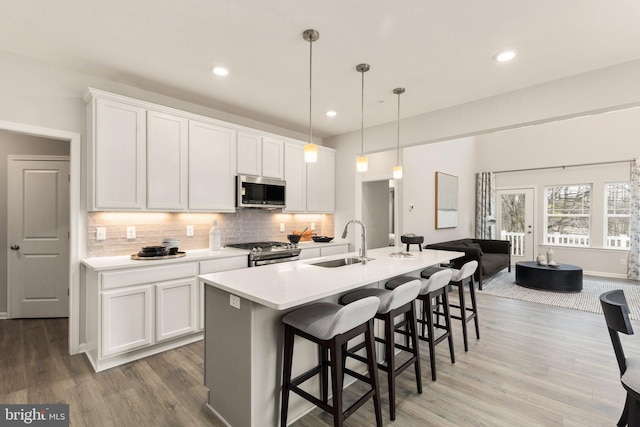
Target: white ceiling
point(439, 50)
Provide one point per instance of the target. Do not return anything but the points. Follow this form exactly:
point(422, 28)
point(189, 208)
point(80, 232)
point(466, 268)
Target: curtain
point(485, 205)
point(633, 265)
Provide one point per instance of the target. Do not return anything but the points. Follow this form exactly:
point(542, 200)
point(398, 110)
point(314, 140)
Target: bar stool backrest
point(465, 271)
point(438, 280)
point(404, 294)
point(352, 315)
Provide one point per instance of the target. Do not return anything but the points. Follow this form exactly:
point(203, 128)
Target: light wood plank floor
point(534, 365)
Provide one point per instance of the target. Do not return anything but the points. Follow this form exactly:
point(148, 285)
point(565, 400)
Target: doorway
point(77, 218)
point(378, 213)
point(515, 220)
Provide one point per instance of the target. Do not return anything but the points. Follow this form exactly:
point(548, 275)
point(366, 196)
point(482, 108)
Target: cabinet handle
point(15, 247)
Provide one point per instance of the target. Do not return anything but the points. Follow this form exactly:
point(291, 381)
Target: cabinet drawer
point(215, 265)
point(140, 276)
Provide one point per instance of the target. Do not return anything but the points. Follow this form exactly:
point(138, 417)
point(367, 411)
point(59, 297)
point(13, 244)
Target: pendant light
point(310, 149)
point(397, 169)
point(362, 162)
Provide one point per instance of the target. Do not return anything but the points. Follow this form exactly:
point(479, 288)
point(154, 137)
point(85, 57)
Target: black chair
point(616, 314)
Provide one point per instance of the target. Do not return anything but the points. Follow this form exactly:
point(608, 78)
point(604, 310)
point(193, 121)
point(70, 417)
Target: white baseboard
point(603, 274)
point(4, 315)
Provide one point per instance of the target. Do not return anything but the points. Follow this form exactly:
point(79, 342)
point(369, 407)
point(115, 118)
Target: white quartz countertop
point(125, 261)
point(290, 284)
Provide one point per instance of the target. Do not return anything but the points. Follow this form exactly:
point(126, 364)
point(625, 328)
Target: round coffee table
point(561, 278)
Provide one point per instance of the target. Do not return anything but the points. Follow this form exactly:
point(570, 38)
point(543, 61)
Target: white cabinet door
point(272, 158)
point(126, 319)
point(117, 156)
point(175, 308)
point(321, 182)
point(295, 175)
point(167, 162)
point(249, 154)
point(212, 167)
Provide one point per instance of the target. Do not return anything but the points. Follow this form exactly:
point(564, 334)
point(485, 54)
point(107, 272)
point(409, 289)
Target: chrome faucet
point(363, 250)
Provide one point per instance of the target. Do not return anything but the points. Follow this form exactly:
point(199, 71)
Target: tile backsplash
point(245, 225)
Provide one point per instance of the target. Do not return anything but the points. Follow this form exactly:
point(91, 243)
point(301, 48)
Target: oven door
point(259, 262)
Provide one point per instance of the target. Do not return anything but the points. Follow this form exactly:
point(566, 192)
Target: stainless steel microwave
point(258, 192)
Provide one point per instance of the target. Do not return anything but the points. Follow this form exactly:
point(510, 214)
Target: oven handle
point(275, 261)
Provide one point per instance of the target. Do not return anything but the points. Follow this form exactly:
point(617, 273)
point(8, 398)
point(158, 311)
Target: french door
point(515, 221)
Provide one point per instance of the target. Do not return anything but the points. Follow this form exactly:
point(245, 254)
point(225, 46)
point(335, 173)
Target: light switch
point(101, 233)
point(131, 232)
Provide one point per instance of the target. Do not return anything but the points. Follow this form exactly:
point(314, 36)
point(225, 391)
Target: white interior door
point(515, 221)
point(38, 235)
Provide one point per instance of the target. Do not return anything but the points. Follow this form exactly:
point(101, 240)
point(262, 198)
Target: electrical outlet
point(313, 226)
point(234, 301)
point(282, 227)
point(101, 233)
point(189, 230)
point(131, 232)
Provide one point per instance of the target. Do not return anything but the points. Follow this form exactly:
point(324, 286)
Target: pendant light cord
point(310, 88)
point(398, 139)
point(362, 117)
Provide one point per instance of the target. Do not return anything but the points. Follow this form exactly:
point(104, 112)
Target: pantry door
point(38, 236)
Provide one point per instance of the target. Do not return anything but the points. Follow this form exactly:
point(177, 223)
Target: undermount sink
point(340, 262)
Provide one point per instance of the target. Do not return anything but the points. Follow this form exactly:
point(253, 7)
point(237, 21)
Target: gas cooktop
point(263, 246)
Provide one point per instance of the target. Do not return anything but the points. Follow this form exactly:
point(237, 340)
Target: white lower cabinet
point(175, 308)
point(133, 313)
point(127, 317)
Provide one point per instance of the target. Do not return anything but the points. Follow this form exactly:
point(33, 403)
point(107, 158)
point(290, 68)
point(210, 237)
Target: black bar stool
point(432, 288)
point(393, 304)
point(331, 326)
point(458, 278)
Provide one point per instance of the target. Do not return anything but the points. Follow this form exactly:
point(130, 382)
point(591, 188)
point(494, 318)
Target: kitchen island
point(244, 333)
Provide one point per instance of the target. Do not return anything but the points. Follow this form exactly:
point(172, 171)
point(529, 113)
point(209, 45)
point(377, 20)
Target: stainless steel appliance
point(258, 192)
point(263, 253)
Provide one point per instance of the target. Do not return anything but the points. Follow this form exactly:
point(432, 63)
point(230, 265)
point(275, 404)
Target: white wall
point(591, 139)
point(458, 158)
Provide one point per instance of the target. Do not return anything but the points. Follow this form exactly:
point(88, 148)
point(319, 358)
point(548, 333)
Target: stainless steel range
point(263, 253)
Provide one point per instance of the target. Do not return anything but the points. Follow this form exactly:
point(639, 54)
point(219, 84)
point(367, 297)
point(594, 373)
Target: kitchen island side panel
point(227, 346)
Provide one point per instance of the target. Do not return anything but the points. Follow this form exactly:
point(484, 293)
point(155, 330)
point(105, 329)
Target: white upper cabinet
point(167, 162)
point(117, 145)
point(321, 182)
point(272, 158)
point(249, 155)
point(295, 174)
point(212, 170)
point(260, 156)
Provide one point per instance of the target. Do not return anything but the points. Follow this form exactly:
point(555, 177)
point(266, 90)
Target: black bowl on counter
point(321, 239)
point(294, 238)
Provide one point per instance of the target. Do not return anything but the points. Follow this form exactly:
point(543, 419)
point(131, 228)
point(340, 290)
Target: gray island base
point(243, 346)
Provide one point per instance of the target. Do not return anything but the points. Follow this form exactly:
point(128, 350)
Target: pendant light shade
point(397, 169)
point(362, 162)
point(310, 149)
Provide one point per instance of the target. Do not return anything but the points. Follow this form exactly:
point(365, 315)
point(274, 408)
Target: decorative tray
point(321, 239)
point(150, 258)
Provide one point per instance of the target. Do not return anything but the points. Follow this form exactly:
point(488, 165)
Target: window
point(568, 215)
point(616, 215)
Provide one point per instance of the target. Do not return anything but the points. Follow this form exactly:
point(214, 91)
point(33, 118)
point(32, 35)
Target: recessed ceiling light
point(505, 56)
point(220, 71)
point(331, 113)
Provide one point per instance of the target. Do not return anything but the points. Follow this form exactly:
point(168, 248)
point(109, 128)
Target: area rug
point(503, 285)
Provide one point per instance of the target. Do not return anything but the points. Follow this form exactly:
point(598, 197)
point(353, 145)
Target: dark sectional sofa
point(492, 255)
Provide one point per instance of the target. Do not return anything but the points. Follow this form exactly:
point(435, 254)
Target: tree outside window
point(568, 215)
point(617, 215)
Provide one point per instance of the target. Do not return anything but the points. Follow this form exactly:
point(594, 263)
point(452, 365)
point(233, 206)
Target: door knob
point(15, 247)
